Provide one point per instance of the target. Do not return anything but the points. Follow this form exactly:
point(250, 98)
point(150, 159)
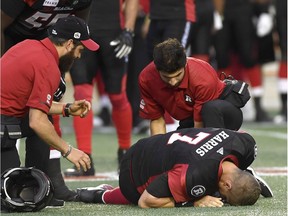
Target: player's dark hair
point(169, 56)
point(245, 190)
point(60, 41)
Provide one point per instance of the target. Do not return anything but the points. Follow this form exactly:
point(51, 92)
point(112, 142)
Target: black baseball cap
point(75, 28)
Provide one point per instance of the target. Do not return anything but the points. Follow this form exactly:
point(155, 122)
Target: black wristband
point(130, 31)
point(66, 110)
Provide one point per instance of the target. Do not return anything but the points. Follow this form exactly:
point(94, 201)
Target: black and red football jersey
point(192, 159)
point(33, 17)
point(106, 15)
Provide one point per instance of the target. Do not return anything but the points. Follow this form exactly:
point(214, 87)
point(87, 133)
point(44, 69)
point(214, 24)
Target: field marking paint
point(277, 135)
point(113, 176)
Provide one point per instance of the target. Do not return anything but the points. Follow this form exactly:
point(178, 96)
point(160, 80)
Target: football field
point(270, 164)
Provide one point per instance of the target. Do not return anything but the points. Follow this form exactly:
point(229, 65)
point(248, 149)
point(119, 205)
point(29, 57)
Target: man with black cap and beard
point(31, 73)
point(20, 20)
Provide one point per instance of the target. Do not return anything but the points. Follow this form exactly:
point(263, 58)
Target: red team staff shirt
point(29, 77)
point(199, 85)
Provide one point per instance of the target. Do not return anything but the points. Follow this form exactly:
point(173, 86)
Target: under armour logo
point(188, 98)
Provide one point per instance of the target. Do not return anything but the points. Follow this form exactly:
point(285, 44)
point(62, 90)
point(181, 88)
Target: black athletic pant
point(218, 114)
point(37, 151)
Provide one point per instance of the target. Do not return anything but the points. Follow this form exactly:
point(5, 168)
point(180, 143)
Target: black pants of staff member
point(37, 151)
point(218, 114)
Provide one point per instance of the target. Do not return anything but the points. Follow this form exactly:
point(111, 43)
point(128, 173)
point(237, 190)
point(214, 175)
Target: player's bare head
point(169, 56)
point(245, 189)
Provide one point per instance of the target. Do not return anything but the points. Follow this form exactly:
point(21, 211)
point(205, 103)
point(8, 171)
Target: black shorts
point(126, 183)
point(104, 61)
point(158, 187)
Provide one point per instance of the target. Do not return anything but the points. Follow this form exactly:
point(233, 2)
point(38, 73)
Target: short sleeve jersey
point(192, 159)
point(33, 17)
point(29, 77)
point(173, 9)
point(199, 85)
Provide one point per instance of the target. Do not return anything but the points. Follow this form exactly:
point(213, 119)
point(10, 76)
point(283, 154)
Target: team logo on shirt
point(198, 190)
point(187, 98)
point(142, 104)
point(48, 99)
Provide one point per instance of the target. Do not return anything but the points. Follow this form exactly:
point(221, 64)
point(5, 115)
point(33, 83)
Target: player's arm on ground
point(149, 201)
point(157, 194)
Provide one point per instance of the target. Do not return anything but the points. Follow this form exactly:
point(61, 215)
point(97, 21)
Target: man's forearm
point(56, 108)
point(148, 201)
point(131, 10)
point(158, 126)
point(40, 123)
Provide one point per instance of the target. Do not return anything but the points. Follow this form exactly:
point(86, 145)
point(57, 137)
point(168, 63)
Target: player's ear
point(69, 45)
point(227, 184)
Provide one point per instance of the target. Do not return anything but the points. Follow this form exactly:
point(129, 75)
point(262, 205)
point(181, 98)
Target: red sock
point(254, 75)
point(83, 131)
point(236, 67)
point(122, 118)
point(83, 126)
point(283, 69)
point(115, 196)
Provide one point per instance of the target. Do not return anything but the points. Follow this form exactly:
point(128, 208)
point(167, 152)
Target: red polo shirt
point(199, 85)
point(29, 77)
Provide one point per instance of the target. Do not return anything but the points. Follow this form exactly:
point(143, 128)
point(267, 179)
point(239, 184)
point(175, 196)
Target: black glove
point(123, 43)
point(60, 91)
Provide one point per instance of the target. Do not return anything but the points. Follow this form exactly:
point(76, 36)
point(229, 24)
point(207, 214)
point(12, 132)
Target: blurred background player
point(113, 29)
point(281, 26)
point(237, 34)
point(22, 20)
point(138, 59)
point(200, 40)
point(169, 19)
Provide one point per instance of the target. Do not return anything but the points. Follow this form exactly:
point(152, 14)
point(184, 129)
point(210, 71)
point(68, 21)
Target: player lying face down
point(186, 167)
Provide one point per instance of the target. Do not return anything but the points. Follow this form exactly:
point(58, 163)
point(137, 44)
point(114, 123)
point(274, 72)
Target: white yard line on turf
point(113, 176)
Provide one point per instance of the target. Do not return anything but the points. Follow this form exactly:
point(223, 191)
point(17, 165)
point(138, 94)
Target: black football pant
point(218, 114)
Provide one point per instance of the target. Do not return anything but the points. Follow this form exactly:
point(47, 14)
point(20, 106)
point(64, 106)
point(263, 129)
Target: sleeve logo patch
point(198, 190)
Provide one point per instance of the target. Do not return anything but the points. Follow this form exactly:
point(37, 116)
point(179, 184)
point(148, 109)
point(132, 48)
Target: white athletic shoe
point(265, 189)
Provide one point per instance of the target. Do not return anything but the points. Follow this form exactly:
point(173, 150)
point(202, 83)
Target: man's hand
point(79, 159)
point(80, 108)
point(123, 43)
point(209, 201)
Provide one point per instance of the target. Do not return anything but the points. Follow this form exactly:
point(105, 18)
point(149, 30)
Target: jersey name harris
point(210, 144)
